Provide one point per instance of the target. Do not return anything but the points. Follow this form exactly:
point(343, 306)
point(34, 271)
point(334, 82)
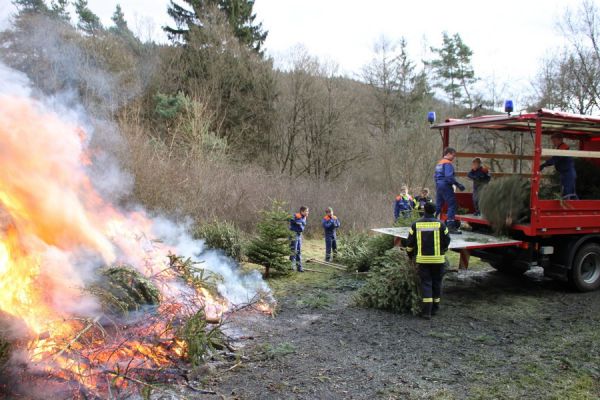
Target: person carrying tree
point(428, 240)
point(330, 223)
point(297, 226)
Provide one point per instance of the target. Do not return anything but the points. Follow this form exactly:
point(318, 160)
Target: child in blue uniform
point(297, 226)
point(480, 176)
point(403, 204)
point(330, 223)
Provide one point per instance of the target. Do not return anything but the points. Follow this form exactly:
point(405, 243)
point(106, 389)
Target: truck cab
point(562, 235)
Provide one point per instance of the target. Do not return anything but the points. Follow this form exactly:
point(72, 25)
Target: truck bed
point(465, 241)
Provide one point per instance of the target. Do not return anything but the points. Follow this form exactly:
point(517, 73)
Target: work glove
point(461, 187)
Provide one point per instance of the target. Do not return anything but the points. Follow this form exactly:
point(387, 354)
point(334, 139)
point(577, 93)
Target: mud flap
point(463, 262)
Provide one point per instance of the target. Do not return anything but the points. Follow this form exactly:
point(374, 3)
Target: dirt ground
point(497, 337)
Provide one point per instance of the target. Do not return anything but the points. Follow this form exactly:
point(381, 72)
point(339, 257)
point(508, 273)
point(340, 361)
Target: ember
point(56, 233)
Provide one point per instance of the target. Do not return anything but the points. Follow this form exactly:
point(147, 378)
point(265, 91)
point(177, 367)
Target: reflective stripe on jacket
point(430, 238)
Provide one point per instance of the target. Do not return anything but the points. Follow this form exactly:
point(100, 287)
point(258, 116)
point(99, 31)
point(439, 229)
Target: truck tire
point(585, 271)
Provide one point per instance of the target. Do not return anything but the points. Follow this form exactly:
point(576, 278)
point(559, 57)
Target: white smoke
point(72, 270)
point(236, 287)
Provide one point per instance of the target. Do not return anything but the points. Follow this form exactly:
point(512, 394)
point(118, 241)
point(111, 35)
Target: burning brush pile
point(95, 300)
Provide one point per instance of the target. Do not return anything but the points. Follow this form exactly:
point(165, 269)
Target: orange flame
point(55, 228)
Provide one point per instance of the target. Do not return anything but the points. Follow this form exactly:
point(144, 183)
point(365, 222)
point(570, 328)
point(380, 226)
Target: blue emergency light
point(508, 106)
point(431, 117)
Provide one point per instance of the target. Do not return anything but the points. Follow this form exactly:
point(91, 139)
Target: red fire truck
point(562, 236)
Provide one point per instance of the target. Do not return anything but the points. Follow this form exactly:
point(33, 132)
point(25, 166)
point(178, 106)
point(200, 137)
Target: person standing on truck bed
point(565, 167)
point(444, 182)
point(480, 175)
point(429, 239)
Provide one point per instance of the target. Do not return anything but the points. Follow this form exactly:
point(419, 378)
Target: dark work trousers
point(445, 195)
point(476, 191)
point(431, 282)
point(567, 182)
point(296, 250)
point(330, 245)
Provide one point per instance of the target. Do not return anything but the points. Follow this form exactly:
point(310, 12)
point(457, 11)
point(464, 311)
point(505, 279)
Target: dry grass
point(208, 188)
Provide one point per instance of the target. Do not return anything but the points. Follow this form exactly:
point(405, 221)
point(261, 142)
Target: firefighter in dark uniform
point(429, 239)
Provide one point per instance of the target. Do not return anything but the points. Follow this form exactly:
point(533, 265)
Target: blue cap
point(431, 117)
point(508, 106)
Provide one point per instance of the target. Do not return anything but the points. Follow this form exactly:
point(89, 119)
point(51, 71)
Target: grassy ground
point(497, 337)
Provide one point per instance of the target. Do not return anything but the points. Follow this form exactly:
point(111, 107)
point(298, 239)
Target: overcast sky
point(508, 38)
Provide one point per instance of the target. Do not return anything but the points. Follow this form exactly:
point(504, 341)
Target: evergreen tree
point(58, 8)
point(271, 247)
point(32, 6)
point(453, 69)
point(88, 21)
point(118, 18)
point(239, 15)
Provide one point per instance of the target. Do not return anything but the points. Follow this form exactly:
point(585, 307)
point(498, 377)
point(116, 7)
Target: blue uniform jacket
point(480, 176)
point(444, 174)
point(562, 164)
point(420, 201)
point(402, 203)
point(330, 225)
point(298, 223)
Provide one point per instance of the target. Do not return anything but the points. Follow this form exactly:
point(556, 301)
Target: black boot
point(453, 227)
point(435, 308)
point(426, 310)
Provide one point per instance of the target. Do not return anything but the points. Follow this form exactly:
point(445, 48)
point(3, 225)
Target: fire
point(55, 230)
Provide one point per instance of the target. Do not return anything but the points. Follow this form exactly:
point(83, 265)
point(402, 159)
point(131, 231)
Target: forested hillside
point(208, 128)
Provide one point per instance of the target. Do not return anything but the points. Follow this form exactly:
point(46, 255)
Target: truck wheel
point(585, 271)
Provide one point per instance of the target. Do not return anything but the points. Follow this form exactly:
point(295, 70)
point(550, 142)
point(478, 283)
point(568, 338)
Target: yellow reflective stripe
point(427, 300)
point(419, 244)
point(447, 232)
point(436, 299)
point(436, 242)
point(430, 259)
point(428, 225)
point(410, 231)
point(409, 248)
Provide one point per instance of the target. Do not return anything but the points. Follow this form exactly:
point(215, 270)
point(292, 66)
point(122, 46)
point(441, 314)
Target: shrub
point(392, 285)
point(359, 250)
point(271, 247)
point(405, 221)
point(222, 236)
